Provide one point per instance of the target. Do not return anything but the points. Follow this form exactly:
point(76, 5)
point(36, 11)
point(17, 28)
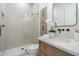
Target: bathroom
point(24, 28)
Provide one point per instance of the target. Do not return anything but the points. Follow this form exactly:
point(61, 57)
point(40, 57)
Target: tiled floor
point(29, 50)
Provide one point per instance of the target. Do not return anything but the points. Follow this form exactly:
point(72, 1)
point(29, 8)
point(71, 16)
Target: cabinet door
point(49, 50)
point(59, 52)
point(46, 49)
point(42, 54)
point(42, 48)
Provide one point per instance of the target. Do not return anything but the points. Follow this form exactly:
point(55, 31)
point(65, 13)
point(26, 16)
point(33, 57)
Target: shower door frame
point(3, 32)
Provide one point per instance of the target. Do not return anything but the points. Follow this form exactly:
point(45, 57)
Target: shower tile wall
point(20, 24)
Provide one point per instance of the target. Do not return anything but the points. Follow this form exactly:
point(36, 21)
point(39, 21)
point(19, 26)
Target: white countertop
point(67, 46)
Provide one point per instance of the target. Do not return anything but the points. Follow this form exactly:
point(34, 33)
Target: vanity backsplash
point(67, 32)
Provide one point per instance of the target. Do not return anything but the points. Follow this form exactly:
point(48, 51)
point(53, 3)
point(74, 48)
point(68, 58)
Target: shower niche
point(43, 17)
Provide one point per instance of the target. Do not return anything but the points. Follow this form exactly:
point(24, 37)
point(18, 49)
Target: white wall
point(69, 34)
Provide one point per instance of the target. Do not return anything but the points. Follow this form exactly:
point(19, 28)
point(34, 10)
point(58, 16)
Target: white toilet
point(33, 49)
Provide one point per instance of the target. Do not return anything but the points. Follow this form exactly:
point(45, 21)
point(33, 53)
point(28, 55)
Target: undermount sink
point(67, 40)
point(62, 39)
point(58, 38)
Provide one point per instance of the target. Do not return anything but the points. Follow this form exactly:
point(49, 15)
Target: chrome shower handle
point(0, 30)
point(3, 25)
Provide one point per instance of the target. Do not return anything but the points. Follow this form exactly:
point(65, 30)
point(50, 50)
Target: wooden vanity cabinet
point(48, 50)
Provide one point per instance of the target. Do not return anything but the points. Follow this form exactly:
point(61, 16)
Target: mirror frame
point(65, 25)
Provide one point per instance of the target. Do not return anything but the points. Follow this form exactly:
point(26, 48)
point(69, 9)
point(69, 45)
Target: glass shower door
point(2, 30)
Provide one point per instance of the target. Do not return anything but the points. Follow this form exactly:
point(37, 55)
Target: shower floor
point(21, 52)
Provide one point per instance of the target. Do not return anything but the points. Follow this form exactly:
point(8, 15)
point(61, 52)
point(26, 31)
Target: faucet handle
point(59, 30)
point(68, 29)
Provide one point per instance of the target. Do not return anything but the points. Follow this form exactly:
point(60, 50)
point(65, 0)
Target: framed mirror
point(64, 14)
